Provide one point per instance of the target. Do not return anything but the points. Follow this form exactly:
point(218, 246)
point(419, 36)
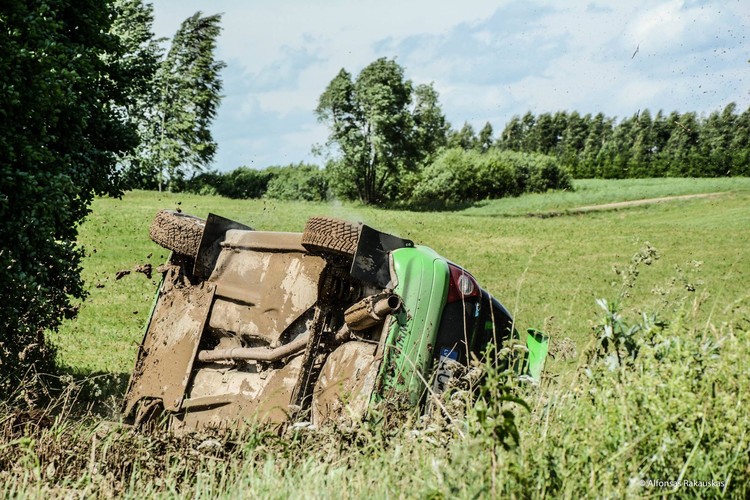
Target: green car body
point(423, 335)
point(422, 283)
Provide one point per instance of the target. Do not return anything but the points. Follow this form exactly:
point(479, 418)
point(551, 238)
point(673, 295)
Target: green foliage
point(484, 139)
point(464, 138)
point(297, 182)
point(140, 57)
point(176, 113)
point(617, 342)
point(666, 420)
point(381, 127)
point(240, 183)
point(494, 407)
point(302, 182)
point(639, 146)
point(458, 176)
point(430, 126)
point(63, 89)
point(654, 409)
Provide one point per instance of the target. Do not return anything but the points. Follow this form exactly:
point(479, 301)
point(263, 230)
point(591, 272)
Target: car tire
point(326, 236)
point(178, 232)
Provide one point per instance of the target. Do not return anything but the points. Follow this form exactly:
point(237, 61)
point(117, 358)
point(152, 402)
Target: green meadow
point(668, 419)
point(547, 271)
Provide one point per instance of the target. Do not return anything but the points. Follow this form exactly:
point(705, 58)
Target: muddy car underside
point(269, 326)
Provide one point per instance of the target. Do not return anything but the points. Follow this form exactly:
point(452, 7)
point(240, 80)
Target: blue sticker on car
point(447, 352)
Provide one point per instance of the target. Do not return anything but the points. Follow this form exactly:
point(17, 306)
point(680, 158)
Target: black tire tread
point(178, 232)
point(326, 235)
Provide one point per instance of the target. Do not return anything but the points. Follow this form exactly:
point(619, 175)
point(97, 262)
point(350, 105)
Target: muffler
point(371, 310)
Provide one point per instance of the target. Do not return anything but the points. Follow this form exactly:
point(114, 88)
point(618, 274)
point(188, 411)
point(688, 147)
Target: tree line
point(390, 141)
point(642, 145)
point(391, 145)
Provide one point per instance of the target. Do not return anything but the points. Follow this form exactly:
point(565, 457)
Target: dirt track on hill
point(623, 204)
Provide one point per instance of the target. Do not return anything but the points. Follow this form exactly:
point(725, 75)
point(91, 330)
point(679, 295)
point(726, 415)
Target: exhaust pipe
point(366, 313)
point(371, 310)
point(255, 353)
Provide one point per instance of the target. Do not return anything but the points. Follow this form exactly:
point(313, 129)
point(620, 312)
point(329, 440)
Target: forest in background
point(567, 144)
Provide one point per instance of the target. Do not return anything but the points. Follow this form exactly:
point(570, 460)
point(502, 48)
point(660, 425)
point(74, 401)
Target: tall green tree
point(662, 130)
point(682, 148)
point(178, 138)
point(141, 54)
point(465, 138)
point(740, 145)
point(643, 146)
point(63, 89)
point(545, 136)
point(573, 140)
point(512, 136)
point(430, 126)
point(559, 125)
point(484, 139)
point(715, 138)
point(600, 129)
point(375, 130)
point(528, 122)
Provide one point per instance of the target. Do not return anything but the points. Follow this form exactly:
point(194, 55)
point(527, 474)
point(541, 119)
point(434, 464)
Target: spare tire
point(331, 237)
point(178, 232)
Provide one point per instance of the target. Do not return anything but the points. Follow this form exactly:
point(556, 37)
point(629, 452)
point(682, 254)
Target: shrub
point(297, 182)
point(292, 182)
point(59, 142)
point(244, 183)
point(459, 176)
point(498, 174)
point(241, 183)
point(203, 183)
point(448, 179)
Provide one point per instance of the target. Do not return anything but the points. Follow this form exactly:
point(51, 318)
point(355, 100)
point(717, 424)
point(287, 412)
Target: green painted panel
point(423, 278)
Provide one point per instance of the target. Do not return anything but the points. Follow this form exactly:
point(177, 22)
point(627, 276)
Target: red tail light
point(462, 285)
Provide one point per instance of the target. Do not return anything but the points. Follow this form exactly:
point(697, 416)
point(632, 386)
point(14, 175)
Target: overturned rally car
point(271, 326)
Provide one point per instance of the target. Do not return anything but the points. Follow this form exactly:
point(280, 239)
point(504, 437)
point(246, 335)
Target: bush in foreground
point(61, 135)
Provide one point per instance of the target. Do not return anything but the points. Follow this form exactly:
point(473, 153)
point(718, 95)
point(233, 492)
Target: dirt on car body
point(324, 324)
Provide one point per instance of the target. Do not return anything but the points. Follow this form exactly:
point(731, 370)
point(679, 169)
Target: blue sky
point(489, 60)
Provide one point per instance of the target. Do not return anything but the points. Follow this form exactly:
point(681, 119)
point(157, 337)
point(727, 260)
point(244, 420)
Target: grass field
point(548, 272)
point(669, 420)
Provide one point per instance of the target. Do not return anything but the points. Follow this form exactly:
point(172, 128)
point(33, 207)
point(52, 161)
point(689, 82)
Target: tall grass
point(673, 421)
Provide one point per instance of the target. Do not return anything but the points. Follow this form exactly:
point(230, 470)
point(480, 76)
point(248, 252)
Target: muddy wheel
point(178, 232)
point(331, 237)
